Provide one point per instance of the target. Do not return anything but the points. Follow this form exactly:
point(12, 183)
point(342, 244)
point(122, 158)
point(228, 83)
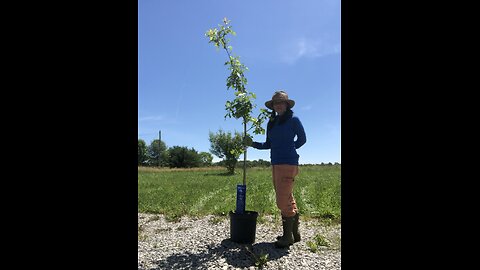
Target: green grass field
point(199, 192)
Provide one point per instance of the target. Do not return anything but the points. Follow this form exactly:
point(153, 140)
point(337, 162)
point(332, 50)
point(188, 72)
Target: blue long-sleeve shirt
point(281, 141)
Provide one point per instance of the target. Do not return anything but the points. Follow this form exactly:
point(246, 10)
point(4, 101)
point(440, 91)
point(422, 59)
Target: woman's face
point(280, 107)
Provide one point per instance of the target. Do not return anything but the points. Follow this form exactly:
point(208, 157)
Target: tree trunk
point(244, 153)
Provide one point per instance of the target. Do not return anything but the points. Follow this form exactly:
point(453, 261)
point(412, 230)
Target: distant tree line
point(250, 163)
point(224, 145)
point(157, 154)
point(322, 164)
point(184, 157)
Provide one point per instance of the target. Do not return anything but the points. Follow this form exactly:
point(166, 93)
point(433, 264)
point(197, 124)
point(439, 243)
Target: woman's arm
point(300, 132)
point(265, 145)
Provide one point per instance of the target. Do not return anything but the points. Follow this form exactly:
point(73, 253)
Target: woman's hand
point(247, 141)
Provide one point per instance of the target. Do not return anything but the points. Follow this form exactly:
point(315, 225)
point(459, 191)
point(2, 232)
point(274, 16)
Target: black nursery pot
point(243, 227)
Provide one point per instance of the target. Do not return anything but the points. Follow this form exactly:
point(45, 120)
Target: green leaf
point(242, 105)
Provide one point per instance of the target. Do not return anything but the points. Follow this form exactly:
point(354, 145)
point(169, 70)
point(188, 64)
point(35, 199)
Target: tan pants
point(283, 180)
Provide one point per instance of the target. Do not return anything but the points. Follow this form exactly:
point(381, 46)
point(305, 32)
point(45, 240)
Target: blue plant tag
point(241, 196)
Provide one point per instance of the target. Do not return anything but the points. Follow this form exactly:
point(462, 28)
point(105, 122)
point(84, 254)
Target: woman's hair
point(287, 115)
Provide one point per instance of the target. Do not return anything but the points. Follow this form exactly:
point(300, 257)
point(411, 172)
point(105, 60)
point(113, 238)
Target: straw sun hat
point(279, 96)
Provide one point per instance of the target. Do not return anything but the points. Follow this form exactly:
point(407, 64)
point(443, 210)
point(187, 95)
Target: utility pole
point(159, 144)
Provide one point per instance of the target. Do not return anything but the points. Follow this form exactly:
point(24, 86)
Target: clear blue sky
point(288, 45)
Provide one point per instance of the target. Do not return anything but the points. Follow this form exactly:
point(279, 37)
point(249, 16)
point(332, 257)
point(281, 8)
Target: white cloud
point(306, 108)
point(309, 48)
point(151, 118)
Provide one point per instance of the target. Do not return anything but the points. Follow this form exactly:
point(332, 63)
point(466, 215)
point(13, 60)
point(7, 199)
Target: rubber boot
point(296, 233)
point(287, 238)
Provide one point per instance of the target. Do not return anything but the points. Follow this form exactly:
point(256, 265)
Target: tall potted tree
point(242, 222)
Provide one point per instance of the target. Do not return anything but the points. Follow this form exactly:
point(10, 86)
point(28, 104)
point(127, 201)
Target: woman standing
point(281, 131)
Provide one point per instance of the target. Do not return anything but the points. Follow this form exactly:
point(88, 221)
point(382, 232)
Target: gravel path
point(203, 243)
